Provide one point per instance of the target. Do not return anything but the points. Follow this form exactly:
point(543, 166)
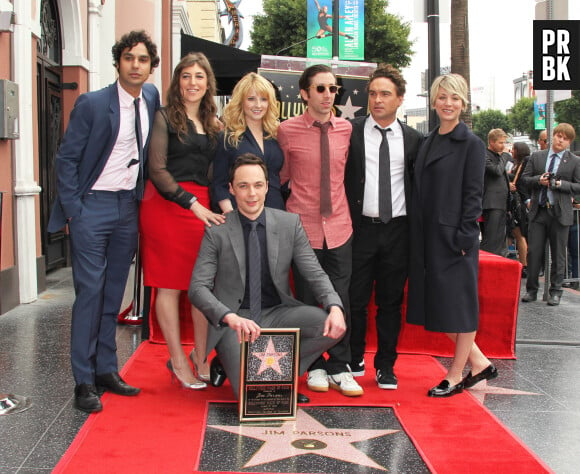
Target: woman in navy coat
point(445, 205)
point(251, 126)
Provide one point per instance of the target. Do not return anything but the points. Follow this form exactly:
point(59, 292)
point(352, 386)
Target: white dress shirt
point(397, 156)
point(116, 175)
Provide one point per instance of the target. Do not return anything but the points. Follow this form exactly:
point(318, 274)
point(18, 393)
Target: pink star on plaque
point(270, 358)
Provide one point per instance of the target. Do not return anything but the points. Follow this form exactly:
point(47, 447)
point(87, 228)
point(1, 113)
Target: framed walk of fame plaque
point(269, 376)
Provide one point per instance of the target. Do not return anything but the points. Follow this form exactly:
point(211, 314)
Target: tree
point(487, 120)
point(521, 118)
point(460, 49)
point(568, 111)
point(284, 23)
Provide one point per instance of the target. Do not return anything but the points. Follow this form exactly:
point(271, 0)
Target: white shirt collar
point(126, 100)
point(395, 126)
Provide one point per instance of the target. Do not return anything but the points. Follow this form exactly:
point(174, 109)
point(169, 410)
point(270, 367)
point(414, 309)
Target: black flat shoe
point(490, 372)
point(115, 384)
point(217, 374)
point(87, 399)
point(445, 390)
point(302, 398)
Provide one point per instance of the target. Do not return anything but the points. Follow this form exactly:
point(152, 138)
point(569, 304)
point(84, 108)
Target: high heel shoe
point(204, 377)
point(197, 385)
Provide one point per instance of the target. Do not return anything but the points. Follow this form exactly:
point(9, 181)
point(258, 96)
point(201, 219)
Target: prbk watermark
point(556, 54)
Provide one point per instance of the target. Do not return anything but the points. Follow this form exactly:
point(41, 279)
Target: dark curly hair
point(176, 113)
point(130, 40)
point(389, 72)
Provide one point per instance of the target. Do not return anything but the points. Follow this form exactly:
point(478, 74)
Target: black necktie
point(139, 140)
point(255, 272)
point(325, 199)
point(544, 191)
point(385, 204)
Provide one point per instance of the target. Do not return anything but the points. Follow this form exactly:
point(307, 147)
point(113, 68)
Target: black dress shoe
point(554, 300)
point(490, 372)
point(444, 389)
point(86, 398)
point(217, 374)
point(115, 384)
point(530, 296)
point(302, 398)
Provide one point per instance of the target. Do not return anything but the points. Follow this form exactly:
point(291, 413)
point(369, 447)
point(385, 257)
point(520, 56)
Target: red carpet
point(499, 291)
point(161, 429)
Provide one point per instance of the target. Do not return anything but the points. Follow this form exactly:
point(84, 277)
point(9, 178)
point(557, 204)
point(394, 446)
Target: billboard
point(319, 29)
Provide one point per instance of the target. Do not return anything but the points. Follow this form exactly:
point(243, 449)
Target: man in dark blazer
point(380, 245)
point(100, 170)
point(220, 281)
point(495, 194)
point(552, 178)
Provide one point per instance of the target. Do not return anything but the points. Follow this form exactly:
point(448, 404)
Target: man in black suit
point(99, 168)
point(552, 177)
point(495, 194)
point(378, 188)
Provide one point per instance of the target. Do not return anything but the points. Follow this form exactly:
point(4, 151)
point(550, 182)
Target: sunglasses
point(320, 88)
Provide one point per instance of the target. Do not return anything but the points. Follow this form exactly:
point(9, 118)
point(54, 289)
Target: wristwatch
point(192, 200)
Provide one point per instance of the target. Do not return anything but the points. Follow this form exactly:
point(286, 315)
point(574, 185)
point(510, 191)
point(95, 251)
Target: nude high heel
point(197, 385)
point(204, 377)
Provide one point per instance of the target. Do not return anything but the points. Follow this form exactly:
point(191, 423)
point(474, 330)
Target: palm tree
point(460, 47)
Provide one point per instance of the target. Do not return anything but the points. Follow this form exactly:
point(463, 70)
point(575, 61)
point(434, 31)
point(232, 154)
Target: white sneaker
point(317, 380)
point(345, 384)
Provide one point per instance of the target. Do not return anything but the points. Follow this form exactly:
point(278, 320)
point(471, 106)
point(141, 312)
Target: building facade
point(52, 51)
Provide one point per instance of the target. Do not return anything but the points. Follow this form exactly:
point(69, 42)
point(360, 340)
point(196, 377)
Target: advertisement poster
point(539, 116)
point(320, 29)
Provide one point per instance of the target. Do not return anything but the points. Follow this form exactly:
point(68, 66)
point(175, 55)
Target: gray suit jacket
point(219, 276)
point(569, 175)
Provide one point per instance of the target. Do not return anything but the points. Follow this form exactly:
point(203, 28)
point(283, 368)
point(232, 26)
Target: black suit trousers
point(380, 255)
point(337, 263)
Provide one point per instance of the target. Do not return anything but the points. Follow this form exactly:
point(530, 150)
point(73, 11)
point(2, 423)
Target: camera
point(552, 178)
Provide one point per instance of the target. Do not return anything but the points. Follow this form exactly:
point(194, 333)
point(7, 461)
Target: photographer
point(552, 178)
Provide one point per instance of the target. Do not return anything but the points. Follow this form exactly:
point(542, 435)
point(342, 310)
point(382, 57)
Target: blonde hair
point(452, 83)
point(495, 134)
point(233, 116)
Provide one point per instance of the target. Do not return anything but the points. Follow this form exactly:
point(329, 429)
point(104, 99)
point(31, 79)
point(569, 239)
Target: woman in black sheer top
point(176, 206)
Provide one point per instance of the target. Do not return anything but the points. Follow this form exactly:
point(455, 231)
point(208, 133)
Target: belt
point(120, 195)
point(377, 220)
point(371, 220)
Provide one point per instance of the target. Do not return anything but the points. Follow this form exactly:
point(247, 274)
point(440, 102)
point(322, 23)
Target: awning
point(228, 64)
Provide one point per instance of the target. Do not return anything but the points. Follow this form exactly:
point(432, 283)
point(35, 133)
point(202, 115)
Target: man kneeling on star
point(223, 284)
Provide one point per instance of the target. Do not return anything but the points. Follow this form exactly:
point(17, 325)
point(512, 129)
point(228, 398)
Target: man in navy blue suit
point(100, 166)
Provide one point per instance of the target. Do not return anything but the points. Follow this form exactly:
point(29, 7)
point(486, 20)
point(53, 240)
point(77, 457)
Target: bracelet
point(192, 200)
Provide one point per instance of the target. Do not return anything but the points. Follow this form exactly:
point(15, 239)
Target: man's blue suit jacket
point(87, 145)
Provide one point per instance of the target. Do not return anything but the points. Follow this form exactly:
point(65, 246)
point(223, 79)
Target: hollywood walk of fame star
point(270, 358)
point(348, 110)
point(306, 435)
point(482, 389)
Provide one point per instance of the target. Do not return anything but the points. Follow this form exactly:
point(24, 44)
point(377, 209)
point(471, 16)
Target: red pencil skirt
point(170, 237)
